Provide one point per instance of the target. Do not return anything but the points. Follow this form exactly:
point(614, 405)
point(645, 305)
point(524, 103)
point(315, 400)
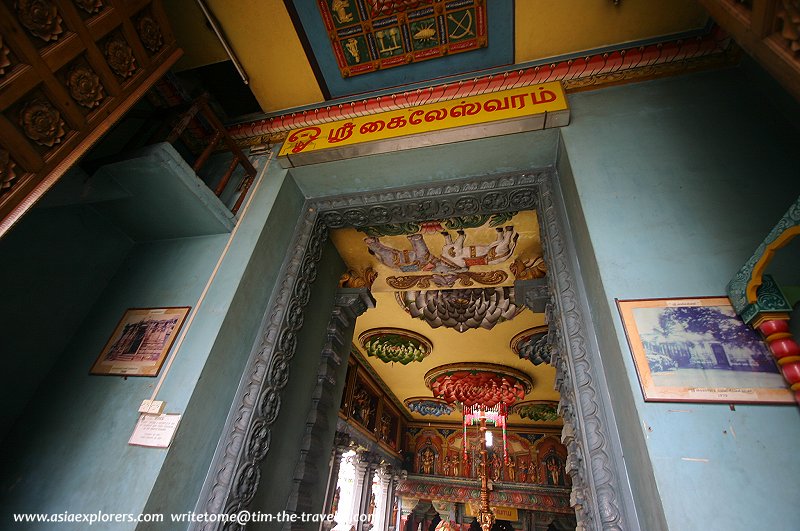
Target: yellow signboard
point(500, 513)
point(474, 110)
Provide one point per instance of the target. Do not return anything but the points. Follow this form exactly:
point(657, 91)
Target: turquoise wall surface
point(673, 185)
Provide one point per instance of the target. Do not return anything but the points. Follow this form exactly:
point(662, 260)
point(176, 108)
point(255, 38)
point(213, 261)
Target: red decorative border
point(599, 68)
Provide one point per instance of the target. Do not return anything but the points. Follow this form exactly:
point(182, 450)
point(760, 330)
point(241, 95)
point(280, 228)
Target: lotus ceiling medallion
point(84, 85)
point(395, 345)
point(41, 18)
point(427, 406)
point(532, 345)
point(42, 123)
point(120, 57)
point(150, 33)
point(461, 309)
point(7, 173)
point(483, 384)
point(541, 410)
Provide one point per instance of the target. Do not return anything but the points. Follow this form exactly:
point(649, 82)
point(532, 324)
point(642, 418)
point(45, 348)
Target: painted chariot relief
point(371, 35)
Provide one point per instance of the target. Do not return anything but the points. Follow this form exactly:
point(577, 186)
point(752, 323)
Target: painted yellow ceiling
point(262, 35)
point(450, 346)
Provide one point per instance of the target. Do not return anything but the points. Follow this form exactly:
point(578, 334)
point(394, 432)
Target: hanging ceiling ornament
point(483, 384)
point(461, 309)
point(532, 345)
point(541, 410)
point(427, 406)
point(395, 345)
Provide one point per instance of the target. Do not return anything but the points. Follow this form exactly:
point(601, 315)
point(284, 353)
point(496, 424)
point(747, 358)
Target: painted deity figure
point(497, 468)
point(427, 459)
point(553, 466)
point(363, 407)
point(511, 470)
point(446, 465)
point(523, 472)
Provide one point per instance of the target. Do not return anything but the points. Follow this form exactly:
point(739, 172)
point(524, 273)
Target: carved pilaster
point(349, 303)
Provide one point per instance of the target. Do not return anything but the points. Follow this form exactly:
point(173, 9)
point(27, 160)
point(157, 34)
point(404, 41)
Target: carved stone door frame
point(601, 493)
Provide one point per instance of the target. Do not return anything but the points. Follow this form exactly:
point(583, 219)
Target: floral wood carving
point(90, 6)
point(540, 410)
point(789, 15)
point(461, 309)
point(120, 57)
point(395, 345)
point(5, 61)
point(84, 85)
point(42, 123)
point(7, 173)
point(426, 406)
point(41, 18)
point(528, 268)
point(150, 33)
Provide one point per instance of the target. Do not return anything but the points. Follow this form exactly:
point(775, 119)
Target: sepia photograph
point(699, 350)
point(141, 341)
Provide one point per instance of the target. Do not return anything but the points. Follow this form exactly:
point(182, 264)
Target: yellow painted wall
point(263, 37)
point(200, 45)
point(544, 28)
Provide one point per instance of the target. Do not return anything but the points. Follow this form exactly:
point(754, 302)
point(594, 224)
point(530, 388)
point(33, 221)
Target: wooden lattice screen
point(69, 69)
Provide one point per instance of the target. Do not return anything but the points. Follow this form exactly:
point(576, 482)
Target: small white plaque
point(155, 431)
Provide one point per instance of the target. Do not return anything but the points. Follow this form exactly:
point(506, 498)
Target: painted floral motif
point(84, 85)
point(120, 57)
point(391, 345)
point(41, 18)
point(150, 33)
point(537, 410)
point(90, 6)
point(7, 173)
point(428, 406)
point(42, 123)
point(478, 384)
point(5, 60)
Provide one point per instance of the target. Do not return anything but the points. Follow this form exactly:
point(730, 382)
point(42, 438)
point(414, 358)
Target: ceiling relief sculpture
point(483, 384)
point(427, 406)
point(395, 345)
point(458, 252)
point(532, 345)
point(540, 410)
point(461, 309)
point(446, 327)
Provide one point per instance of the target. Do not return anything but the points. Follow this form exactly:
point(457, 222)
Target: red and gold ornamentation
point(85, 87)
point(42, 123)
point(41, 18)
point(484, 384)
point(785, 349)
point(120, 57)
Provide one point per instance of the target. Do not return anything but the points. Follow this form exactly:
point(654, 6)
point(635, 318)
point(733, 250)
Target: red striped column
point(775, 330)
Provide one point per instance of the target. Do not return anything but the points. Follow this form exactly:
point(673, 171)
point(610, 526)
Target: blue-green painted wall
point(673, 184)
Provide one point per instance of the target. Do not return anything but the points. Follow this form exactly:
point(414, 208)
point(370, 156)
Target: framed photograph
point(141, 341)
point(699, 350)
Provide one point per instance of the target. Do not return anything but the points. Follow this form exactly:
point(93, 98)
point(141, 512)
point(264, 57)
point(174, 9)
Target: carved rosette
point(150, 33)
point(85, 87)
point(7, 173)
point(90, 6)
point(120, 57)
point(532, 344)
point(5, 60)
point(42, 123)
point(484, 384)
point(354, 278)
point(41, 18)
point(395, 345)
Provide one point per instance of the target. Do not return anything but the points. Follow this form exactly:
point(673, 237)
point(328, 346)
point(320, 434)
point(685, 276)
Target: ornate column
point(341, 443)
point(382, 502)
point(372, 461)
point(348, 305)
point(760, 303)
point(361, 466)
point(406, 511)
